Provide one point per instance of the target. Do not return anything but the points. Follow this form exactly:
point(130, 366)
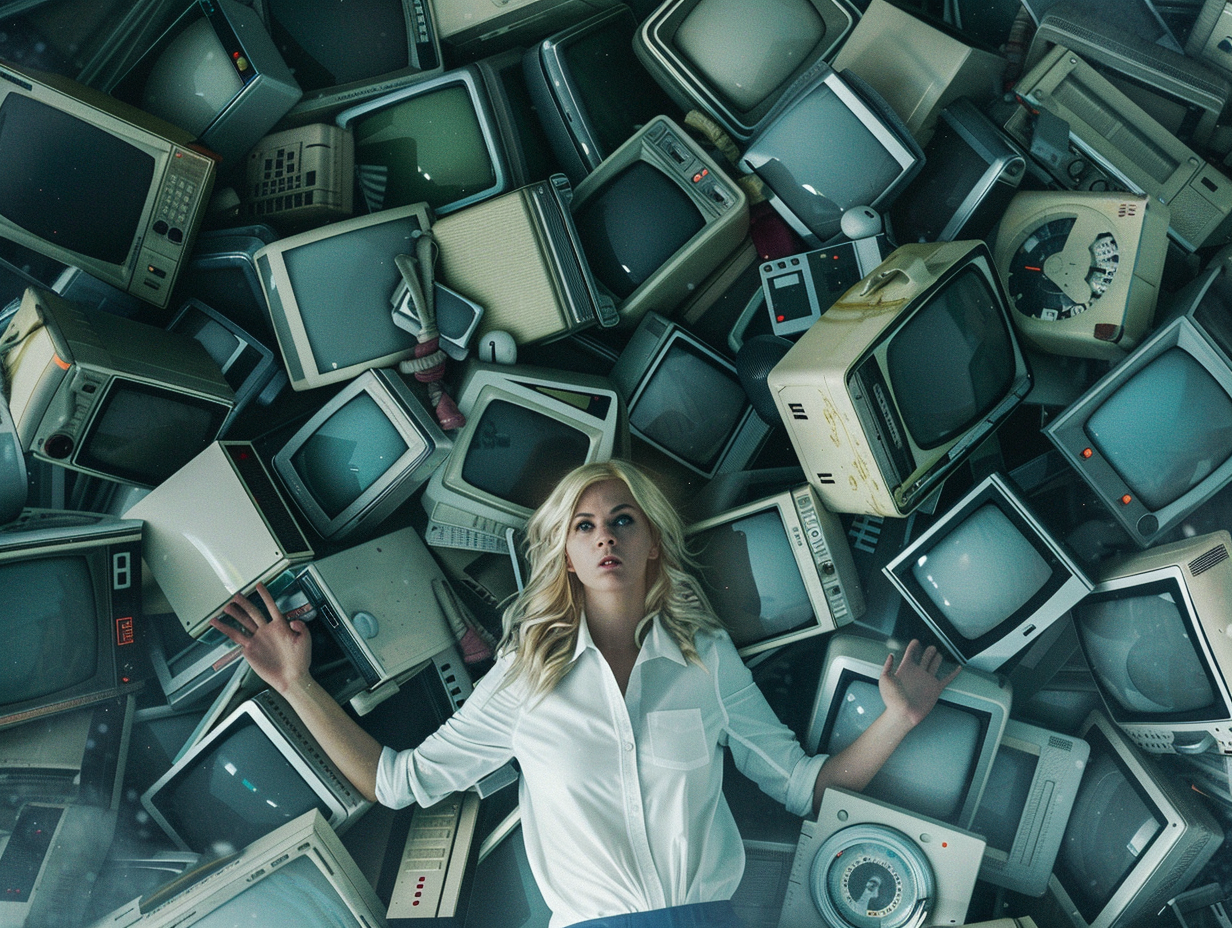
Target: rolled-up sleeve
point(764, 749)
point(475, 741)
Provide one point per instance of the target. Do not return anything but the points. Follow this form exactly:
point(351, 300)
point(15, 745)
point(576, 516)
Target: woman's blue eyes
point(586, 525)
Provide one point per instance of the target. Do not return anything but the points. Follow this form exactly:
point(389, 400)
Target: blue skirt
point(701, 915)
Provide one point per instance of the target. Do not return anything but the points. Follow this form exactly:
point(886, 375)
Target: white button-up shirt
point(621, 796)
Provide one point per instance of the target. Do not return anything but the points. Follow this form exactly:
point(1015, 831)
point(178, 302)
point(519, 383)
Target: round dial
point(1056, 274)
point(871, 876)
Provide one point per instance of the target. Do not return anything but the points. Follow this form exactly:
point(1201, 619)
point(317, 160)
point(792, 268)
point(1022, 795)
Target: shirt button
point(628, 745)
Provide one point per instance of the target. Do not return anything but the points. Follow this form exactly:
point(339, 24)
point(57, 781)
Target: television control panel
point(178, 210)
point(837, 598)
point(678, 157)
point(433, 860)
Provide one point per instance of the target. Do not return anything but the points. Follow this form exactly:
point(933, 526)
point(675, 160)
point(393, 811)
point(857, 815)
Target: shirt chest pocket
point(677, 738)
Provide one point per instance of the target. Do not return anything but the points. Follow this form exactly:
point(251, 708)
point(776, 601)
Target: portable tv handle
point(915, 270)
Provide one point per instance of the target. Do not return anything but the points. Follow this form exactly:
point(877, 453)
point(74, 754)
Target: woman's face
point(610, 540)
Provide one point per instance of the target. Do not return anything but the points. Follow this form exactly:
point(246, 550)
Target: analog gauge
point(871, 876)
point(1052, 276)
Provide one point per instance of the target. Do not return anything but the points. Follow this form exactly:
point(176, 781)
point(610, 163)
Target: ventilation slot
point(1216, 555)
point(825, 478)
point(1062, 744)
point(797, 410)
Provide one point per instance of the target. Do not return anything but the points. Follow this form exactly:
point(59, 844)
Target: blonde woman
point(616, 689)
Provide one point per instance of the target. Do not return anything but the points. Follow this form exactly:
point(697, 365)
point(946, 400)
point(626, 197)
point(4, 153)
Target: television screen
point(429, 147)
point(298, 893)
point(930, 772)
point(48, 614)
point(144, 433)
point(750, 575)
point(238, 790)
point(952, 362)
point(689, 406)
point(1138, 642)
point(1166, 429)
point(348, 453)
point(54, 162)
point(1111, 827)
point(330, 42)
point(632, 226)
point(193, 79)
point(519, 454)
point(981, 572)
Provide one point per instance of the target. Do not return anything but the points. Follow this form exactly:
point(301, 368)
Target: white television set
point(940, 769)
point(63, 145)
point(526, 428)
point(361, 455)
point(328, 293)
point(686, 399)
point(987, 576)
point(109, 396)
point(1154, 633)
point(777, 570)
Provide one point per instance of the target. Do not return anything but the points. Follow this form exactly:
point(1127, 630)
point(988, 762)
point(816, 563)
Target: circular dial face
point(1052, 277)
point(869, 883)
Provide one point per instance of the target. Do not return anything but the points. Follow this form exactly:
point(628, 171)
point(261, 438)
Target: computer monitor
point(590, 91)
point(248, 366)
point(828, 147)
point(109, 396)
point(361, 455)
point(70, 592)
point(525, 429)
point(256, 770)
point(328, 293)
point(1135, 838)
point(735, 59)
point(433, 142)
point(777, 570)
point(1153, 632)
point(63, 145)
point(1153, 437)
point(901, 378)
point(685, 399)
point(988, 577)
point(344, 51)
point(215, 74)
point(941, 767)
point(656, 217)
point(299, 873)
point(1026, 805)
point(217, 527)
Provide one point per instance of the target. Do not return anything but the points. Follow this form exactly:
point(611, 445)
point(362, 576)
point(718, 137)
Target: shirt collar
point(657, 643)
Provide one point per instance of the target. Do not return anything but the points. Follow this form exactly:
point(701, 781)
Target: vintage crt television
point(656, 217)
point(589, 90)
point(901, 378)
point(971, 171)
point(520, 257)
point(685, 399)
point(526, 144)
point(222, 274)
point(476, 28)
point(988, 577)
point(734, 59)
point(1104, 140)
point(248, 366)
point(361, 455)
point(526, 428)
point(940, 769)
point(830, 145)
point(865, 862)
point(1186, 95)
point(930, 68)
point(64, 145)
point(215, 74)
point(1153, 437)
point(1026, 805)
point(343, 51)
point(328, 293)
point(217, 527)
point(109, 396)
point(1136, 837)
point(776, 570)
point(70, 587)
point(434, 142)
point(256, 770)
point(1154, 634)
point(298, 872)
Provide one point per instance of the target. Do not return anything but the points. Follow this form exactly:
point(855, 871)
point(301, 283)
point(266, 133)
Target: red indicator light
point(836, 257)
point(1086, 453)
point(779, 318)
point(1126, 499)
point(945, 843)
point(696, 178)
point(705, 172)
point(124, 630)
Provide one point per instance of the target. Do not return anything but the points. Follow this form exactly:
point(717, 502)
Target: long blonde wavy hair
point(541, 625)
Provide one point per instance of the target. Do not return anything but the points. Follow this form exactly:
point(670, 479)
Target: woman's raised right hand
point(278, 650)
